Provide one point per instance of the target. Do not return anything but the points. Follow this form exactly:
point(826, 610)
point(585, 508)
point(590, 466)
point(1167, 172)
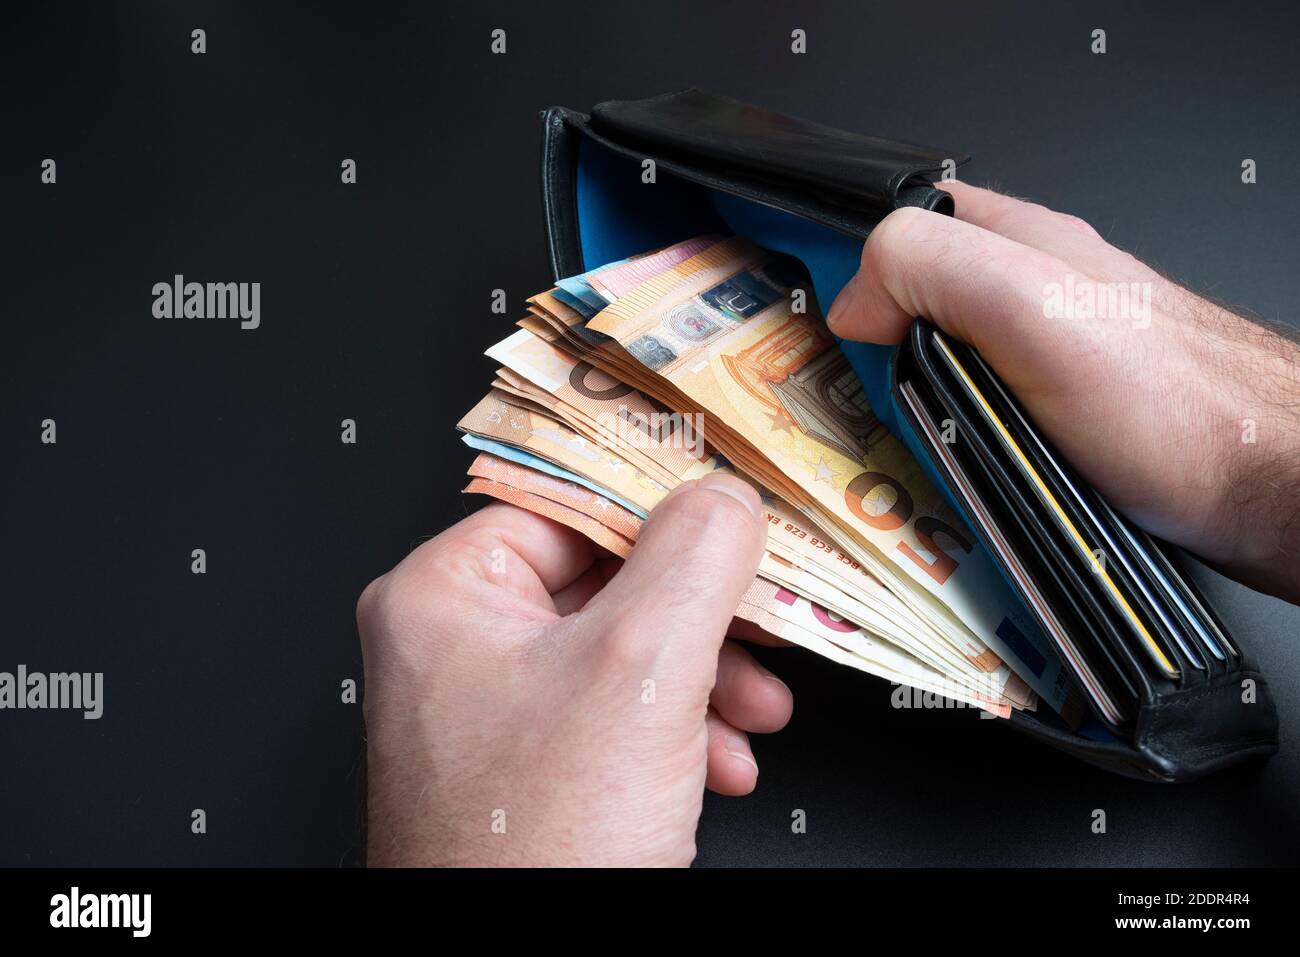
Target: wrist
point(1261, 504)
point(1260, 476)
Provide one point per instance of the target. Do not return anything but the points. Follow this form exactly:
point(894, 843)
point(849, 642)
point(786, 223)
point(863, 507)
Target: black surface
point(222, 691)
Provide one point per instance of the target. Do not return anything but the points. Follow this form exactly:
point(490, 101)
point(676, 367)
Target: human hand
point(1183, 415)
point(529, 704)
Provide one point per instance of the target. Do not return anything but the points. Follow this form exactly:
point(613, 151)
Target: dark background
point(222, 691)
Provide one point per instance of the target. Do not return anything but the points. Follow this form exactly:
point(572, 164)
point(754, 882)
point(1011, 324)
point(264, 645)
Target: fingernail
point(840, 307)
point(679, 488)
point(772, 677)
point(731, 486)
point(733, 748)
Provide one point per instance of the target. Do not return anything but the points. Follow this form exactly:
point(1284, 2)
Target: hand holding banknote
point(1184, 415)
point(521, 709)
point(530, 703)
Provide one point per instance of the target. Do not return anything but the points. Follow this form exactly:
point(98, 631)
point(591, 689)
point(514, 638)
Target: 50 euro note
point(617, 412)
point(529, 438)
point(500, 420)
point(669, 447)
point(793, 556)
point(606, 355)
point(718, 334)
point(803, 622)
point(496, 416)
point(568, 331)
point(778, 611)
point(667, 444)
point(591, 291)
point(604, 522)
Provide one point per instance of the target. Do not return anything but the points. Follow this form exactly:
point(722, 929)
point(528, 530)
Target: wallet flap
point(747, 192)
point(852, 170)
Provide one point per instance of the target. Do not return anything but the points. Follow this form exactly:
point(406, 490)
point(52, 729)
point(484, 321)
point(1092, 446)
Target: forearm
point(1261, 495)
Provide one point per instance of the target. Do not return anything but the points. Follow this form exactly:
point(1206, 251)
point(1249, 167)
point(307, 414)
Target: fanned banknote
point(636, 376)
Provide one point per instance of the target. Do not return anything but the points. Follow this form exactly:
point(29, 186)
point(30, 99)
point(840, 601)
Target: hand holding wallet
point(1169, 693)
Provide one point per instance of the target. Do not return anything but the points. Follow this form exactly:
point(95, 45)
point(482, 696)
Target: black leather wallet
point(1169, 693)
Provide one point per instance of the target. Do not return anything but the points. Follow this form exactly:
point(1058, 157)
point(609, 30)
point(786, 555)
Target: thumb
point(694, 557)
point(976, 285)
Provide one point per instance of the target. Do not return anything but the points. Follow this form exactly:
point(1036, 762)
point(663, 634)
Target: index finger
point(1060, 234)
point(979, 286)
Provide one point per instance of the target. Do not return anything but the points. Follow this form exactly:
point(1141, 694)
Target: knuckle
point(1020, 218)
point(899, 227)
point(1005, 219)
point(1078, 224)
point(627, 647)
point(398, 640)
point(368, 602)
point(391, 607)
point(454, 558)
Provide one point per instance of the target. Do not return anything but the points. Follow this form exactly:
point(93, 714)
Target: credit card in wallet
point(1172, 598)
point(1064, 508)
point(1117, 608)
point(1014, 546)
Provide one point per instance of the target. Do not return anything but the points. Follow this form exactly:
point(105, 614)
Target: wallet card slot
point(1112, 696)
point(1179, 601)
point(1100, 525)
point(1106, 653)
point(1025, 507)
point(1164, 586)
point(1199, 609)
point(1121, 599)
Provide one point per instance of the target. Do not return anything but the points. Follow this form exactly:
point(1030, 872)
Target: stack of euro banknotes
point(711, 354)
